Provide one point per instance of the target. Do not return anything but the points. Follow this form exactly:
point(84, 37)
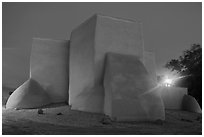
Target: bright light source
point(168, 82)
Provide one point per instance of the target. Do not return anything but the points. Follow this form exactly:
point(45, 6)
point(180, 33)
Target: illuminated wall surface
point(89, 44)
point(48, 82)
point(130, 93)
point(189, 103)
point(29, 95)
point(177, 98)
point(149, 63)
point(173, 96)
point(49, 65)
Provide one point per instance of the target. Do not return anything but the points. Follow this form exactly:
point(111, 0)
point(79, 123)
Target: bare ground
point(29, 122)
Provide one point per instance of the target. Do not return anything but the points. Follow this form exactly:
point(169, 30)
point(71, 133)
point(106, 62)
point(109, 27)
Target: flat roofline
point(118, 18)
point(106, 16)
point(37, 38)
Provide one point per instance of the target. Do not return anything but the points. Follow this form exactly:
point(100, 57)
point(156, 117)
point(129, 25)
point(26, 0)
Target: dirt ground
point(70, 122)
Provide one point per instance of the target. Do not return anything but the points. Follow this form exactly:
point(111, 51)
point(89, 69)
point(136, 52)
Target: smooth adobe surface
point(49, 66)
point(29, 95)
point(189, 103)
point(83, 94)
point(116, 35)
point(173, 96)
point(89, 44)
point(129, 91)
point(150, 65)
point(48, 82)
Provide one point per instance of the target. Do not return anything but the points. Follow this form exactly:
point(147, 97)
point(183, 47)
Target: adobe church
point(103, 68)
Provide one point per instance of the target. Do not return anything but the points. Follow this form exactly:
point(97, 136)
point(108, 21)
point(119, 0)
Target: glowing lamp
point(168, 82)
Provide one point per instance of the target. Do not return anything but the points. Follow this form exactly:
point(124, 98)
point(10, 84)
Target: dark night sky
point(168, 29)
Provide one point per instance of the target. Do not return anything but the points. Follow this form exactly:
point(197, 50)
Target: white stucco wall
point(82, 93)
point(49, 72)
point(150, 64)
point(116, 35)
point(129, 92)
point(89, 44)
point(29, 95)
point(189, 103)
point(173, 97)
point(49, 66)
